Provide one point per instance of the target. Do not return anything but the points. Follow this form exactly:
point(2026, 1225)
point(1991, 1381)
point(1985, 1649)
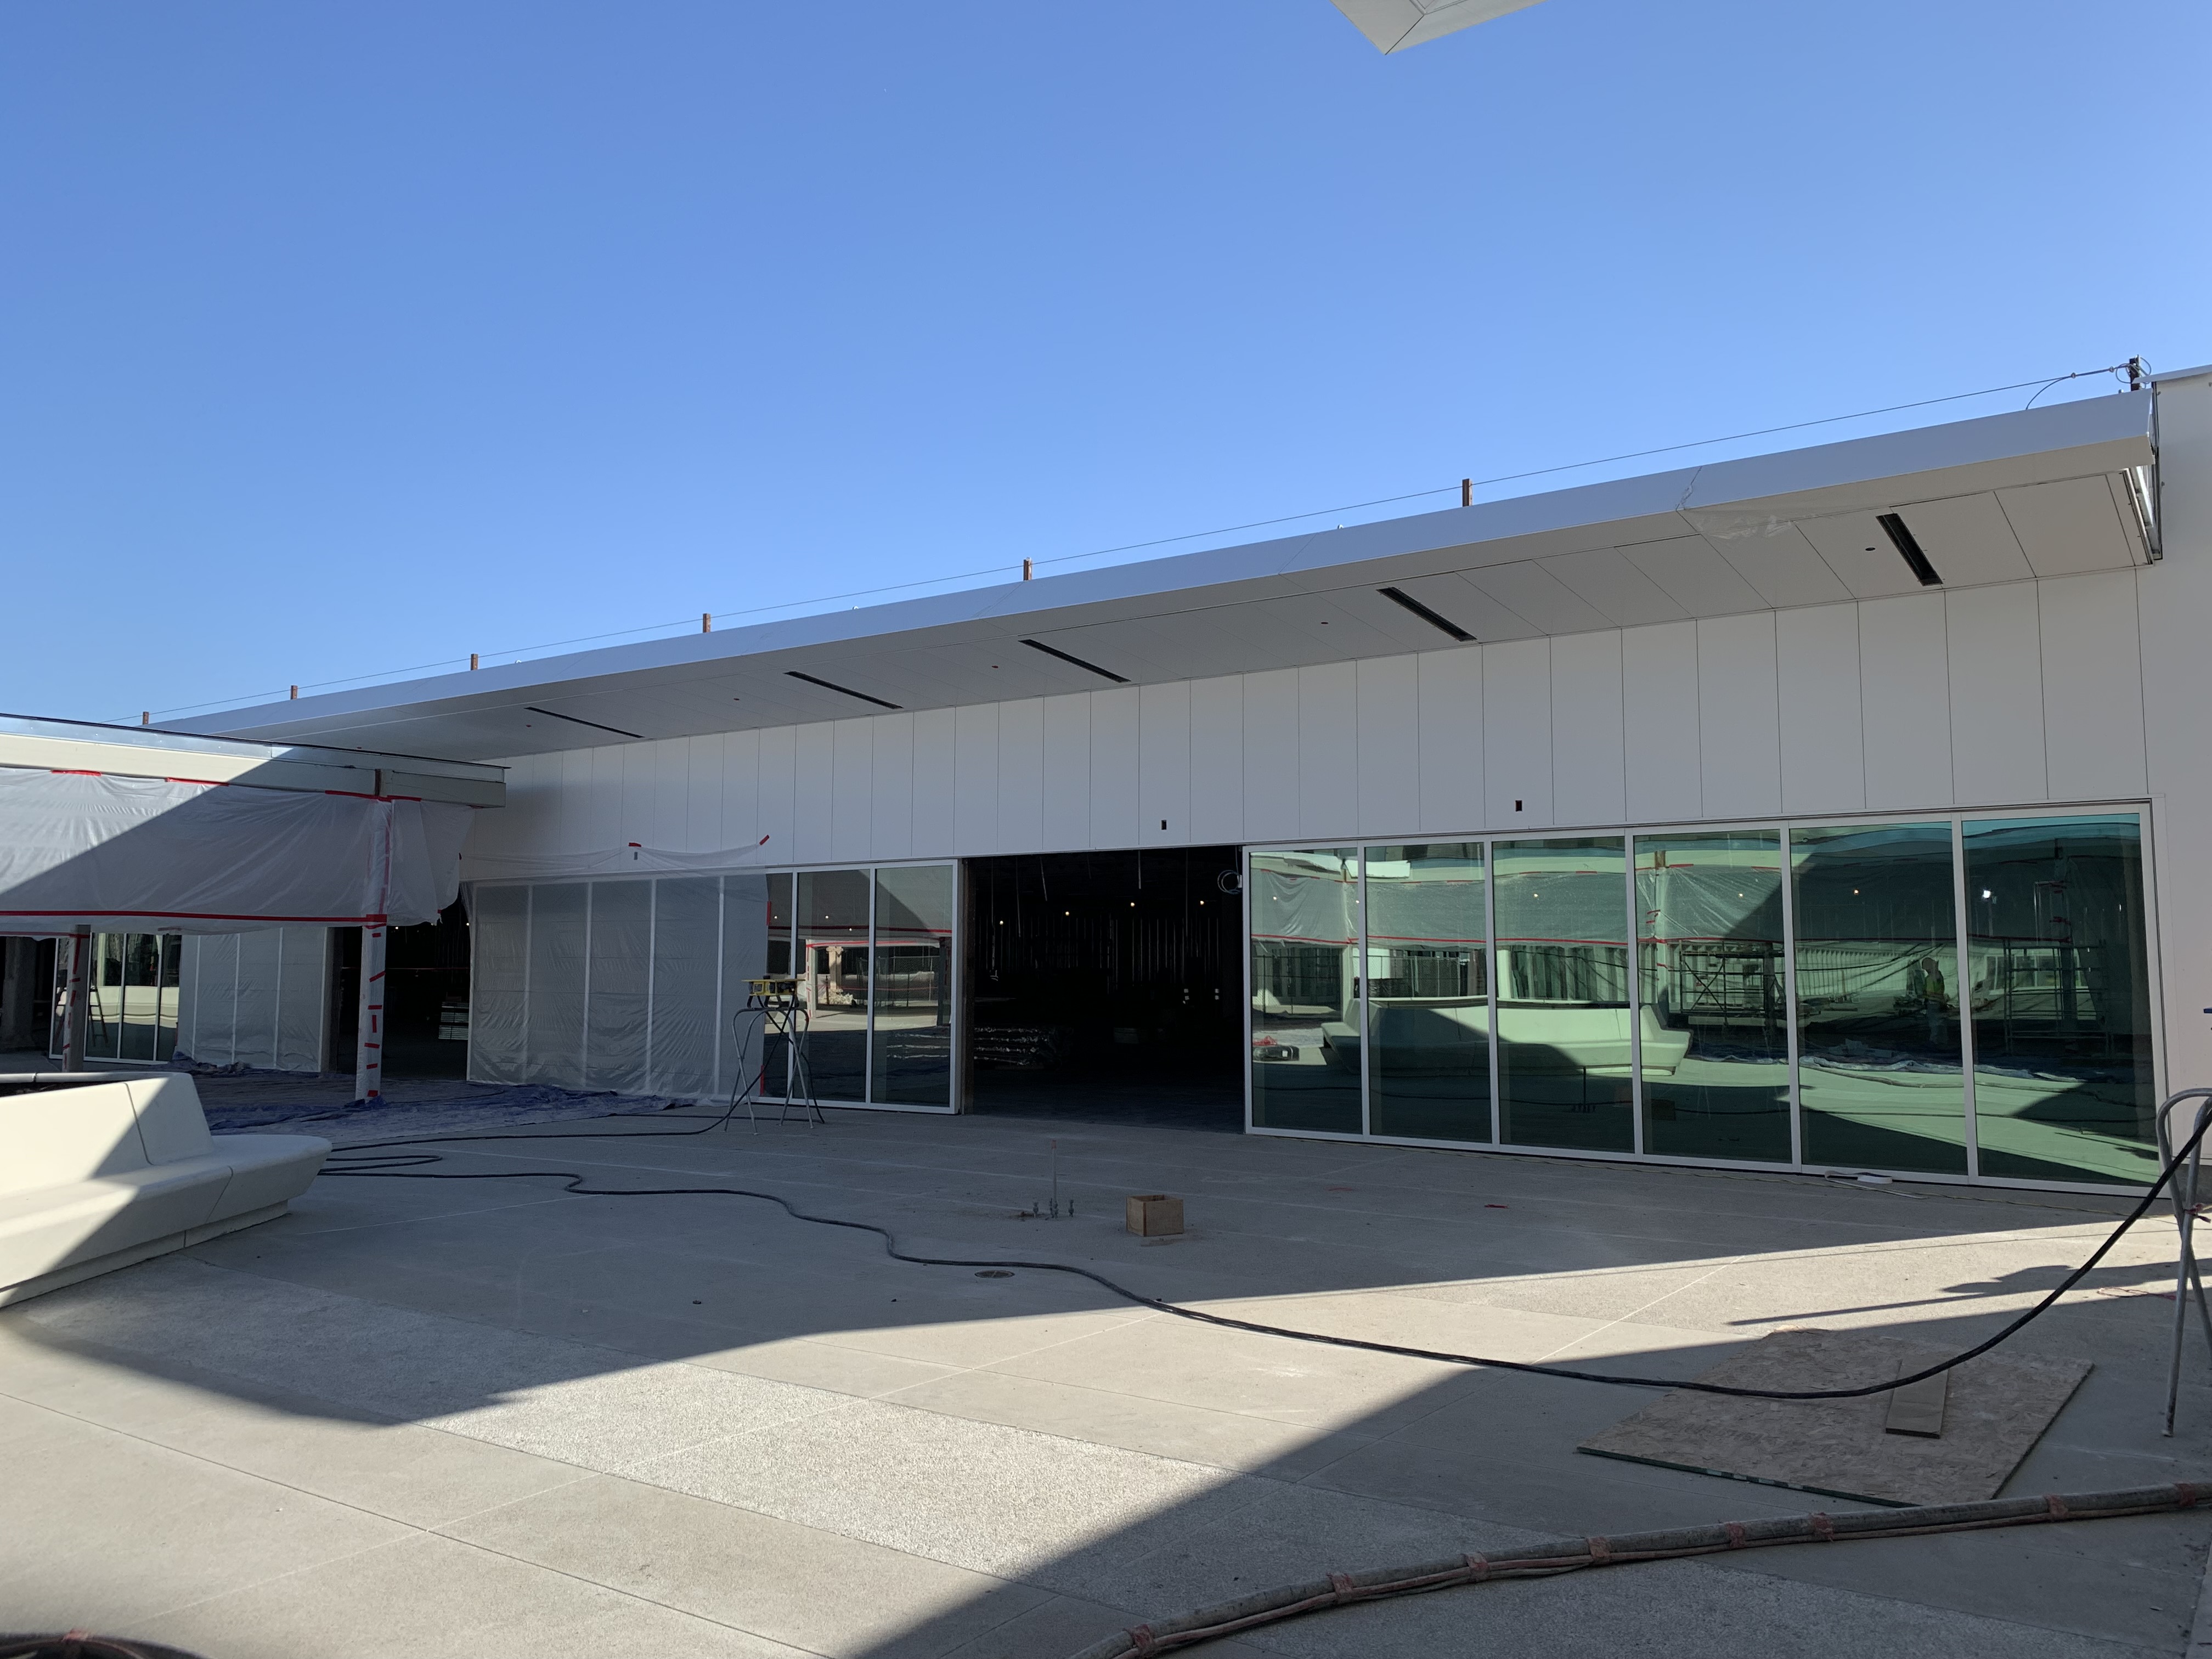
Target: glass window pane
point(171, 976)
point(1714, 1022)
point(2059, 979)
point(1564, 1056)
point(1879, 1073)
point(776, 1050)
point(833, 980)
point(1305, 990)
point(1428, 1010)
point(139, 998)
point(912, 1049)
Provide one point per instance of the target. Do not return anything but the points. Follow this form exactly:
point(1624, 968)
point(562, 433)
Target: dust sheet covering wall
point(623, 985)
point(257, 999)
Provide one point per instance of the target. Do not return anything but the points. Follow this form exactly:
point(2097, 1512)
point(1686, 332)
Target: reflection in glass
point(833, 980)
point(2059, 982)
point(1714, 1029)
point(1305, 990)
point(1879, 1073)
point(1428, 1009)
point(1563, 1014)
point(776, 1054)
point(130, 995)
point(912, 1050)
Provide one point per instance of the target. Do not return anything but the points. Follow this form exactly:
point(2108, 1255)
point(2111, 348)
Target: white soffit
point(1393, 25)
point(2040, 493)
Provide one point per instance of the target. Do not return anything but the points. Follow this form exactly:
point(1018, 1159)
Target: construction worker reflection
point(1924, 984)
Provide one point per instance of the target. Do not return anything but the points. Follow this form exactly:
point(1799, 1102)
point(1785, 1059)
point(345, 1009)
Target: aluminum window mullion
point(1490, 977)
point(1966, 997)
point(1635, 997)
point(1360, 988)
point(1789, 997)
point(868, 1046)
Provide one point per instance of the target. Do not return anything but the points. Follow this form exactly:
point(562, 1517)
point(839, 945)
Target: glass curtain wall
point(1428, 986)
point(1306, 1005)
point(1951, 996)
point(1563, 1052)
point(872, 950)
point(2058, 981)
point(130, 996)
point(1712, 1015)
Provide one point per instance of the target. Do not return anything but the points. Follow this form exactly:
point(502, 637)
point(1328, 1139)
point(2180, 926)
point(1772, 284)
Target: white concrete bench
point(99, 1176)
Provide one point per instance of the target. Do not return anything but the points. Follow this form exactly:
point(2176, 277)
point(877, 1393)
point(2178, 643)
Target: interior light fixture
point(1901, 538)
point(1397, 596)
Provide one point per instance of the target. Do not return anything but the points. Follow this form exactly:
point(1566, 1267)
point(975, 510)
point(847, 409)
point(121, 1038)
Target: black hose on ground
point(406, 1166)
point(1571, 1555)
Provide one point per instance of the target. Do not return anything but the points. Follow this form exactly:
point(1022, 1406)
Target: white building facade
point(1839, 810)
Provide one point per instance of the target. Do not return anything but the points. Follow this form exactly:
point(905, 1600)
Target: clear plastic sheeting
point(620, 985)
point(122, 854)
point(259, 999)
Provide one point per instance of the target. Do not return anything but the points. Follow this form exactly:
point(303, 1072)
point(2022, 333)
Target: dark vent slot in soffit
point(1053, 651)
point(1399, 596)
point(556, 714)
point(1902, 538)
point(832, 685)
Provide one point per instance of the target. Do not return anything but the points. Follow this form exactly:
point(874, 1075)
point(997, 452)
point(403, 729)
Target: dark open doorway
point(426, 998)
point(1106, 986)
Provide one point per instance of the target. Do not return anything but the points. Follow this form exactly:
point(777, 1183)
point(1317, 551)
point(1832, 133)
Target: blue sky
point(341, 340)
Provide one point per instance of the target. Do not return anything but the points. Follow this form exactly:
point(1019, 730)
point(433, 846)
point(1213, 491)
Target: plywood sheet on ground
point(1998, 1407)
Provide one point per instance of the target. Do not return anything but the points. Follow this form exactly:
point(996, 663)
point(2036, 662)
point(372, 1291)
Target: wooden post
point(1466, 492)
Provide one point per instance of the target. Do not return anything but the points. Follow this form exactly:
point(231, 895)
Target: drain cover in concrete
point(1997, 1406)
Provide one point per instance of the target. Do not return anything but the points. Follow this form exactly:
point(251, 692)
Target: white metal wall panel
point(1739, 722)
point(814, 798)
point(1217, 760)
point(703, 816)
point(1451, 739)
point(1163, 765)
point(1328, 753)
point(1021, 776)
point(686, 986)
point(778, 786)
point(935, 748)
point(1823, 754)
point(1516, 734)
point(1997, 694)
point(741, 815)
point(1589, 762)
point(1067, 813)
point(303, 997)
point(553, 1044)
point(498, 943)
point(2093, 702)
point(1904, 688)
point(670, 766)
point(1271, 755)
point(852, 789)
point(1389, 757)
point(1659, 705)
point(260, 975)
point(1115, 718)
point(890, 805)
point(976, 775)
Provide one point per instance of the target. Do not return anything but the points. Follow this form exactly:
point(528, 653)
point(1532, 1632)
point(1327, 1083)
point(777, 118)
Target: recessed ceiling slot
point(556, 714)
point(1901, 538)
point(831, 685)
point(1054, 651)
point(1399, 596)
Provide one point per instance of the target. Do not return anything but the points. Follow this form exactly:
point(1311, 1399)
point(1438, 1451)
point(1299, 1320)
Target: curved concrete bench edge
point(97, 1177)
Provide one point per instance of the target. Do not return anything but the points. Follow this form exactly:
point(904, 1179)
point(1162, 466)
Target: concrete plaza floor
point(487, 1418)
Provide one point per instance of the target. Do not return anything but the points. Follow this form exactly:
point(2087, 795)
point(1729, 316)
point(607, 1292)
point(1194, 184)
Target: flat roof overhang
point(2046, 492)
point(30, 742)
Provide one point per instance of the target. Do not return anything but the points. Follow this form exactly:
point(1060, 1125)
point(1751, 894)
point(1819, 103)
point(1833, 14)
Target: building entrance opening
point(1106, 987)
point(426, 998)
